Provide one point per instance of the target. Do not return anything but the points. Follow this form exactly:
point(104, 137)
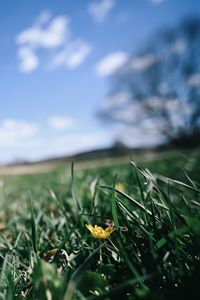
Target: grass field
point(150, 250)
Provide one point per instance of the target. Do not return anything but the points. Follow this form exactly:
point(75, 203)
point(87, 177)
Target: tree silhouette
point(158, 90)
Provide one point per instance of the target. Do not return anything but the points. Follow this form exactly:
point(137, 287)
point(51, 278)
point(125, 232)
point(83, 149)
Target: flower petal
point(109, 229)
point(98, 232)
point(90, 227)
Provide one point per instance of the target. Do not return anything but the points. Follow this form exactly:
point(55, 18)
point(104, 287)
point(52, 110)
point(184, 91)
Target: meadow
point(146, 244)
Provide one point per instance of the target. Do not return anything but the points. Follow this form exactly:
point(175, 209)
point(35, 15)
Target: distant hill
point(116, 150)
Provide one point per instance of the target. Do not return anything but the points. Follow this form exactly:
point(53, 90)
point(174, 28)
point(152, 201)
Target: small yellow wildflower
point(120, 186)
point(100, 233)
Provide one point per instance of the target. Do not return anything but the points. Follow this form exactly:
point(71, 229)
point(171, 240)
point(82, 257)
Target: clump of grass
point(151, 252)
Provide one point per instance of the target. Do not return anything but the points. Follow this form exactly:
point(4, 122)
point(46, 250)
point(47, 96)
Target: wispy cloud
point(116, 100)
point(13, 132)
point(61, 122)
point(52, 35)
point(43, 17)
point(137, 134)
point(28, 60)
point(142, 63)
point(179, 46)
point(111, 63)
point(72, 56)
point(100, 9)
point(49, 33)
point(77, 142)
point(194, 80)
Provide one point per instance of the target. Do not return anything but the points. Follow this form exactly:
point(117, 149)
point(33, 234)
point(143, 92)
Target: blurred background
point(88, 75)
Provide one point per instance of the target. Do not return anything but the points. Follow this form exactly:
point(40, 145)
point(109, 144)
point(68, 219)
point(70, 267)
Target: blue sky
point(56, 61)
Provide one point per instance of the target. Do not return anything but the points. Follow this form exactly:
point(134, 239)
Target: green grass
point(154, 253)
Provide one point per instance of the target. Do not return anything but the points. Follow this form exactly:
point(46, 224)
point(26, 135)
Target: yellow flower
point(120, 186)
point(100, 233)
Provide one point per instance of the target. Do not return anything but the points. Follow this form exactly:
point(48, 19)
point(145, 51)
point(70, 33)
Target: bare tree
point(159, 88)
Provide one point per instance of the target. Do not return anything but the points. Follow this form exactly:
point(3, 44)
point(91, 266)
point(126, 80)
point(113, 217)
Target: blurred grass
point(153, 253)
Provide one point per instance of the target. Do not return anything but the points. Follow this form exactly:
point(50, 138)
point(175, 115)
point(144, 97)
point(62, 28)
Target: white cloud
point(46, 37)
point(13, 132)
point(194, 80)
point(116, 100)
point(50, 34)
point(60, 122)
point(140, 137)
point(100, 9)
point(28, 60)
point(72, 56)
point(78, 142)
point(179, 46)
point(134, 113)
point(111, 63)
point(78, 55)
point(127, 114)
point(142, 63)
point(43, 17)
